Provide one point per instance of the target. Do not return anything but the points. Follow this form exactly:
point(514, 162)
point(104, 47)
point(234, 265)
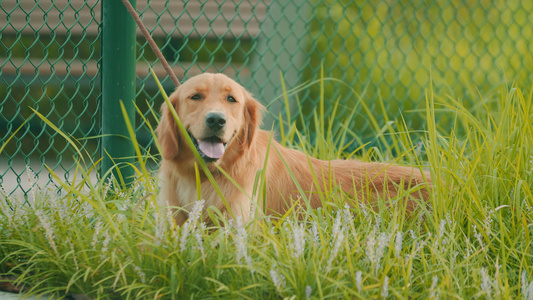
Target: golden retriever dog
point(223, 119)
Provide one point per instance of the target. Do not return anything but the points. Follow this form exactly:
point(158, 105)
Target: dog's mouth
point(211, 148)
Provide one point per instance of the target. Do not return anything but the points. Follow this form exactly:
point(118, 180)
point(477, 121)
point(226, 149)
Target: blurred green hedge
point(393, 49)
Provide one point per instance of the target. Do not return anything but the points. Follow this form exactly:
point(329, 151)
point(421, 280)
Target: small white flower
point(96, 233)
point(454, 256)
point(422, 216)
point(359, 281)
point(240, 242)
point(298, 240)
point(190, 224)
point(170, 218)
point(315, 234)
point(69, 242)
point(200, 242)
point(88, 210)
point(277, 279)
point(337, 224)
point(398, 244)
point(383, 241)
point(338, 238)
point(407, 258)
point(108, 185)
point(385, 287)
point(160, 229)
point(140, 273)
point(337, 243)
point(497, 292)
point(253, 208)
point(34, 185)
point(442, 227)
point(375, 253)
point(105, 243)
point(467, 255)
point(433, 295)
point(478, 236)
point(363, 209)
point(8, 214)
point(449, 219)
point(488, 223)
point(378, 224)
point(485, 283)
point(527, 290)
point(308, 291)
point(227, 229)
point(62, 207)
point(48, 230)
point(370, 248)
point(348, 217)
point(196, 211)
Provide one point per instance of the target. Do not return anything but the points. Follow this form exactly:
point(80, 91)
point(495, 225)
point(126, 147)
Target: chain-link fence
point(50, 61)
point(49, 53)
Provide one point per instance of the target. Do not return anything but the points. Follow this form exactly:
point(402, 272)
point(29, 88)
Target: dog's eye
point(231, 99)
point(196, 97)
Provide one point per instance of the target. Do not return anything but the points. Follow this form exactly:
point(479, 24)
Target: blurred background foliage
point(394, 49)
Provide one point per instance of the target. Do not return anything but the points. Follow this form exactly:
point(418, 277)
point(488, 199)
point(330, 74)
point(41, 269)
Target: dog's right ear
point(167, 131)
point(253, 112)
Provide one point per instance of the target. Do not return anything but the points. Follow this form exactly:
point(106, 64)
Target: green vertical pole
point(118, 84)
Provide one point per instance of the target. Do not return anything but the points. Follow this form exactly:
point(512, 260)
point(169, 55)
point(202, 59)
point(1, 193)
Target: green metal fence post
point(118, 84)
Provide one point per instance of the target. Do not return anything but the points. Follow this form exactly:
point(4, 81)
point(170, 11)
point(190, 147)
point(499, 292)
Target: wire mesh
point(393, 50)
point(49, 53)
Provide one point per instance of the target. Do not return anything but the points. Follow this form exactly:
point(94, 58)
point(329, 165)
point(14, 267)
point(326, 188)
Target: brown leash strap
point(152, 43)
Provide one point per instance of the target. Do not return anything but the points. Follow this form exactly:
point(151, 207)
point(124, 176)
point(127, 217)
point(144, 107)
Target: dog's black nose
point(215, 120)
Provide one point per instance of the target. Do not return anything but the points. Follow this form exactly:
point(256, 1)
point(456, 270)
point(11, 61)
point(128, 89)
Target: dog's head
point(218, 114)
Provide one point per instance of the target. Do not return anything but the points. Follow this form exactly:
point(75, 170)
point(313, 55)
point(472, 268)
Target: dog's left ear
point(253, 115)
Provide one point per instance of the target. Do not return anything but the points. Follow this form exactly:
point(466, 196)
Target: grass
point(472, 240)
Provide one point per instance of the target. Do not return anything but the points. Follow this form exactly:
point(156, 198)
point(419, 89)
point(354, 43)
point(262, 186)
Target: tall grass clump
point(471, 240)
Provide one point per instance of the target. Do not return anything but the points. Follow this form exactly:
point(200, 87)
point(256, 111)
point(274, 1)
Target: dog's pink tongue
point(211, 148)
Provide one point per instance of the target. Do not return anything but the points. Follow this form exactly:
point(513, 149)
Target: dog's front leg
point(240, 208)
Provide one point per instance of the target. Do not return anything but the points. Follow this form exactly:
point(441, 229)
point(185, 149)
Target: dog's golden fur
point(245, 153)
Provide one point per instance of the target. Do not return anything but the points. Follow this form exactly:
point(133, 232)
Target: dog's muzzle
point(212, 147)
